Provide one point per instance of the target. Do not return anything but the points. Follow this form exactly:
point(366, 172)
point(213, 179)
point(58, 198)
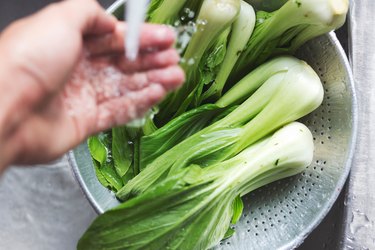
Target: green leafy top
point(194, 208)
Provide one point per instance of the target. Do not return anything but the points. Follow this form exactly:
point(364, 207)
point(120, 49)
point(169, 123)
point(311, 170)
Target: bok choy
point(155, 144)
point(241, 31)
point(227, 131)
point(288, 28)
point(192, 209)
point(165, 11)
point(267, 5)
point(284, 97)
point(214, 18)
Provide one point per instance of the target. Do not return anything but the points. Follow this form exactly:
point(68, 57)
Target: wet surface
point(42, 207)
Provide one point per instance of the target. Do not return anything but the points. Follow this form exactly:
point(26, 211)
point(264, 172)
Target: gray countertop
point(359, 226)
point(42, 207)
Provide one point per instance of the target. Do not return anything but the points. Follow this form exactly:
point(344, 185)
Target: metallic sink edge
point(304, 234)
point(341, 183)
point(75, 169)
point(115, 6)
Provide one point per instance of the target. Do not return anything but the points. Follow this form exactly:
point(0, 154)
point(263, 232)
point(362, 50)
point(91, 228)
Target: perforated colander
point(282, 214)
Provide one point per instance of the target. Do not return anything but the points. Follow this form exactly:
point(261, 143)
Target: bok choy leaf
point(283, 98)
point(288, 28)
point(193, 209)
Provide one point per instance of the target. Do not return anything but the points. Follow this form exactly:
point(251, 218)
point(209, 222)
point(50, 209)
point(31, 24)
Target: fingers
point(88, 16)
point(153, 38)
point(170, 78)
point(110, 81)
point(149, 61)
point(126, 108)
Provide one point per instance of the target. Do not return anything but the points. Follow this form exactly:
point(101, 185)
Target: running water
point(135, 15)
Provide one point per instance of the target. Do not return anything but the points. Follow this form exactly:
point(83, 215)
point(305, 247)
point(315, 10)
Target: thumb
point(89, 16)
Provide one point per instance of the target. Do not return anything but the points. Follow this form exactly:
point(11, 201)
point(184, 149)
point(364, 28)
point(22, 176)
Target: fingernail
point(165, 32)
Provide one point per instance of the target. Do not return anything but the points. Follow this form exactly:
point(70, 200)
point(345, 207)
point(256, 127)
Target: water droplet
point(191, 61)
point(201, 22)
point(177, 23)
point(184, 34)
point(360, 221)
point(350, 239)
point(349, 199)
point(191, 14)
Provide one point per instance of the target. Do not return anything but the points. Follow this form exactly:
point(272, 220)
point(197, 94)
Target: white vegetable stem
point(286, 153)
point(284, 97)
point(242, 29)
point(289, 27)
point(214, 17)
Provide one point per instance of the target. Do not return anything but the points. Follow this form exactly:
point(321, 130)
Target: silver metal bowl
point(282, 214)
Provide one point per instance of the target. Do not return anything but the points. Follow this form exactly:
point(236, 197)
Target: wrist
point(5, 157)
point(6, 149)
point(11, 114)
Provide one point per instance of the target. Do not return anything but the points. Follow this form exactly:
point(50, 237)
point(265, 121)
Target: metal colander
point(282, 214)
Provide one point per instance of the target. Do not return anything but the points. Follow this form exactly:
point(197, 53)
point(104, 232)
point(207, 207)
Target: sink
point(43, 207)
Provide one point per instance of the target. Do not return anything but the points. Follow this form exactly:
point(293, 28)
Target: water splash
point(135, 14)
point(184, 33)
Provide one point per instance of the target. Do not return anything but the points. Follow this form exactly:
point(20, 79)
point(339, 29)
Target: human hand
point(63, 77)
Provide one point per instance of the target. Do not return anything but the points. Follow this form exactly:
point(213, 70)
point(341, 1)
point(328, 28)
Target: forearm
point(7, 155)
point(7, 120)
point(18, 95)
